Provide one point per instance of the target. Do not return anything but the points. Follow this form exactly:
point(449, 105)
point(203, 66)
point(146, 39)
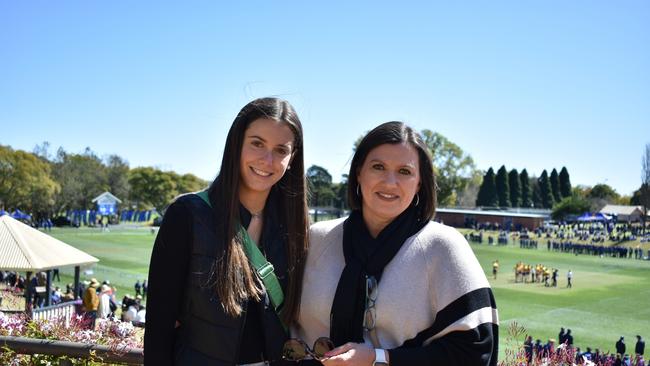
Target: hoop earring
point(358, 194)
point(417, 199)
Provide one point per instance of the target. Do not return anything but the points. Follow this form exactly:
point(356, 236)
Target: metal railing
point(98, 353)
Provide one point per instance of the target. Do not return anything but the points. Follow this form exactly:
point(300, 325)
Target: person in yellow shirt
point(90, 301)
point(495, 268)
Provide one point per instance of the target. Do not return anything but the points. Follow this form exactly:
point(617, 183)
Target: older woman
point(387, 284)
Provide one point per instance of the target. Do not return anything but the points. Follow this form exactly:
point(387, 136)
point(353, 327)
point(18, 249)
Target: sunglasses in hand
point(297, 350)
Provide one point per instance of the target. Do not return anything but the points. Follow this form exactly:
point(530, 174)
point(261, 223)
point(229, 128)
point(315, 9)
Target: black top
point(169, 260)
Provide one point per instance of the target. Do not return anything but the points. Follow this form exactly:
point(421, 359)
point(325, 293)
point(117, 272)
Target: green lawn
point(610, 296)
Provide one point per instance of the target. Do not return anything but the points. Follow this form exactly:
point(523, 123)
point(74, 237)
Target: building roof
point(107, 197)
point(492, 213)
point(24, 248)
point(622, 210)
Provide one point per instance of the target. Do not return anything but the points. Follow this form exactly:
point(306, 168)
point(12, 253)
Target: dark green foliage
point(515, 188)
point(565, 183)
point(604, 192)
point(526, 194)
point(536, 193)
point(545, 191)
point(572, 205)
point(555, 185)
point(487, 194)
point(503, 189)
point(320, 186)
point(453, 167)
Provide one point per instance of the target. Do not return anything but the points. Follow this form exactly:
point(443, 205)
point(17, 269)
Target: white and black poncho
point(434, 304)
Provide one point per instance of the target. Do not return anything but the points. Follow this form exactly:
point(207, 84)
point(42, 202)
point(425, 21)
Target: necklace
point(257, 215)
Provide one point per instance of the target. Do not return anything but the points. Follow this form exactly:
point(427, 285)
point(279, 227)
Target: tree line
point(514, 189)
point(45, 185)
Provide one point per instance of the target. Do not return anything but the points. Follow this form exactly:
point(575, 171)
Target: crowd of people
point(536, 352)
point(538, 273)
point(579, 238)
point(98, 300)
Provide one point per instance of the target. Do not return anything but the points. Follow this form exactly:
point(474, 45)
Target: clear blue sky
point(528, 84)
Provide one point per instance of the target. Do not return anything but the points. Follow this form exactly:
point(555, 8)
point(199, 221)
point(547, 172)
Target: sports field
point(610, 296)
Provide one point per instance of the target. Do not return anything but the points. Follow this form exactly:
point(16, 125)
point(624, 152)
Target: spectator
point(104, 309)
point(639, 348)
point(91, 300)
point(138, 288)
point(568, 338)
point(528, 349)
point(144, 289)
point(560, 337)
point(620, 346)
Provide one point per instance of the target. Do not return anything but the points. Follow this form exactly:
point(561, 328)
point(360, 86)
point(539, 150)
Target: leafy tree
point(117, 176)
point(555, 186)
point(82, 177)
point(503, 188)
point(487, 194)
point(526, 198)
point(572, 205)
point(604, 192)
point(341, 193)
point(320, 185)
point(515, 188)
point(151, 187)
point(188, 182)
point(453, 167)
point(545, 190)
point(565, 183)
point(26, 182)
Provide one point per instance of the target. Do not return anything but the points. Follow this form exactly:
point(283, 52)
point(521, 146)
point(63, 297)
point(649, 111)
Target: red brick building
point(466, 217)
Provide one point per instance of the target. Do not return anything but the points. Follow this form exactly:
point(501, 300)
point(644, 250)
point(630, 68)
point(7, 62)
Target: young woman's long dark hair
point(235, 278)
point(396, 133)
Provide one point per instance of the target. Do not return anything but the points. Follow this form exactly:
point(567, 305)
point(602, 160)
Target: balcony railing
point(99, 353)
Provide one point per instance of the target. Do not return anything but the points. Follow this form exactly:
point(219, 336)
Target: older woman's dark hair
point(396, 133)
point(235, 279)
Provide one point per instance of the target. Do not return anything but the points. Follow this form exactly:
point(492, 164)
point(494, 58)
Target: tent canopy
point(19, 215)
point(24, 248)
point(593, 217)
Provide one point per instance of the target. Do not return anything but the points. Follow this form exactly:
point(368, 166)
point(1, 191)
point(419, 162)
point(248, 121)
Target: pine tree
point(545, 190)
point(565, 183)
point(555, 186)
point(536, 193)
point(515, 188)
point(487, 194)
point(526, 198)
point(503, 189)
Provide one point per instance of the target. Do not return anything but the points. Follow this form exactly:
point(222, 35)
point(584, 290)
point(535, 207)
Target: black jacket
point(207, 336)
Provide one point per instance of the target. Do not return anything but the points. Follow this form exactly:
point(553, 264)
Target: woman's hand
point(349, 354)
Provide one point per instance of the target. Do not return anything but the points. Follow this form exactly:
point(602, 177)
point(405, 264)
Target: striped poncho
point(434, 304)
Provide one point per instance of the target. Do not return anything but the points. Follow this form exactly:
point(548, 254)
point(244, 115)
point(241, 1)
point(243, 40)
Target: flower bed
point(119, 336)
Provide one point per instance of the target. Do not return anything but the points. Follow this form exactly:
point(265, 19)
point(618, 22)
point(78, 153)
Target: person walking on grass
point(639, 348)
point(569, 277)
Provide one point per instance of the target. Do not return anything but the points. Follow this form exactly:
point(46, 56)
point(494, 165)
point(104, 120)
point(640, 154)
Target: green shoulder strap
point(264, 269)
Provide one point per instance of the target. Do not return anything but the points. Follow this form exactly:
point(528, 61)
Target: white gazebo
point(25, 249)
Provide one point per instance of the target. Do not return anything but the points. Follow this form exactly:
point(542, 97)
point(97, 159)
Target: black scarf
point(365, 255)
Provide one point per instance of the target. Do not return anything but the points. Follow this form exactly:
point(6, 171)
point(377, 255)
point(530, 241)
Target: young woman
point(207, 304)
point(387, 284)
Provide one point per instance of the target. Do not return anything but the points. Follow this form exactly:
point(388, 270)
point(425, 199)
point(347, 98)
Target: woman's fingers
point(351, 354)
point(340, 349)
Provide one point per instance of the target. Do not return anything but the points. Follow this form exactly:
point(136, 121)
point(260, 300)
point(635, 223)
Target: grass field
point(610, 296)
